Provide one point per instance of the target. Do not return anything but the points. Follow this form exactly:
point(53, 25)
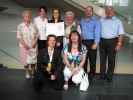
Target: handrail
point(99, 10)
point(84, 3)
point(9, 55)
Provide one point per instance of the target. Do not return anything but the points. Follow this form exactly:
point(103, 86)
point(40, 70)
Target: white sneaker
point(65, 86)
point(27, 76)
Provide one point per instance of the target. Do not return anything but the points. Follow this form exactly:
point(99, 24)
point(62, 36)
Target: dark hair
point(79, 41)
point(51, 35)
point(42, 7)
point(59, 14)
point(89, 7)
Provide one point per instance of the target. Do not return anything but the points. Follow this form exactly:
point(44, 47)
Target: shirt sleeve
point(80, 25)
point(65, 49)
point(120, 29)
point(19, 32)
point(79, 29)
point(97, 31)
point(34, 21)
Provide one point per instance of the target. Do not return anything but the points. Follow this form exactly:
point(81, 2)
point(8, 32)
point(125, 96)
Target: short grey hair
point(69, 13)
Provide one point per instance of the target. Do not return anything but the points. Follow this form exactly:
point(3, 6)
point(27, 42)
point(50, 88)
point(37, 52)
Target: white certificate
point(55, 29)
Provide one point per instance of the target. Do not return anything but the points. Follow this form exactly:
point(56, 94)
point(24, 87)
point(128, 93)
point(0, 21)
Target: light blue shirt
point(90, 29)
point(111, 28)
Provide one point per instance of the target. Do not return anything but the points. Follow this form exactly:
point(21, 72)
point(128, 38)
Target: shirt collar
point(113, 17)
point(73, 24)
point(45, 19)
point(90, 19)
point(26, 25)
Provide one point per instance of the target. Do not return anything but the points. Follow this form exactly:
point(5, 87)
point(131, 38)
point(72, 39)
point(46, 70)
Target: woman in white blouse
point(40, 22)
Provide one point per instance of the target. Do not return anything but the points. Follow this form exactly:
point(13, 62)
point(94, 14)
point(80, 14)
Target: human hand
point(94, 46)
point(26, 46)
point(53, 77)
point(33, 45)
point(118, 46)
point(58, 44)
point(71, 67)
point(75, 71)
point(48, 69)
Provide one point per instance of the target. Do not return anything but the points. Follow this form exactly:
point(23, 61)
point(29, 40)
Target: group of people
point(57, 59)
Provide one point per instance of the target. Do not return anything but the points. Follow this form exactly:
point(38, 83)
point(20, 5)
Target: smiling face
point(27, 16)
point(69, 17)
point(42, 12)
point(109, 11)
point(88, 11)
point(74, 37)
point(55, 13)
point(51, 42)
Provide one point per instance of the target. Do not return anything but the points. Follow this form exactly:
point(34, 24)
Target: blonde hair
point(27, 12)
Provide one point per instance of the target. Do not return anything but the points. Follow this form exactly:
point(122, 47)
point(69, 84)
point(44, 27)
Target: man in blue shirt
point(111, 42)
point(90, 32)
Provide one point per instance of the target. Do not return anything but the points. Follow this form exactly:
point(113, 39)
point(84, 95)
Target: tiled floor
point(13, 86)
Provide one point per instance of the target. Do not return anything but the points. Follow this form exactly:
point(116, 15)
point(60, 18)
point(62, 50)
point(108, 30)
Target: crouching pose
point(49, 66)
point(74, 58)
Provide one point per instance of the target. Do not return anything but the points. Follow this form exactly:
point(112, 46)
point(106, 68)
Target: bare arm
point(119, 43)
point(21, 41)
point(66, 62)
point(35, 41)
point(83, 58)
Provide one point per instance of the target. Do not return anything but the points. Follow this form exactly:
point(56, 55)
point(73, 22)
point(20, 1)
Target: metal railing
point(9, 55)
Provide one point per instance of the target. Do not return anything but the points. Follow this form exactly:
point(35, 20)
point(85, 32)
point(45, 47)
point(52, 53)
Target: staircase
point(81, 4)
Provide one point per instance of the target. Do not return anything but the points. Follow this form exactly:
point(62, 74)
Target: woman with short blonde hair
point(27, 38)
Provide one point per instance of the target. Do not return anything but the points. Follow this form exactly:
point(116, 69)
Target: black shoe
point(103, 77)
point(58, 88)
point(91, 75)
point(91, 78)
point(109, 80)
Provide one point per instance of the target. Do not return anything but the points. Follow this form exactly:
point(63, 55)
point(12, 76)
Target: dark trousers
point(41, 44)
point(42, 79)
point(60, 40)
point(91, 55)
point(107, 54)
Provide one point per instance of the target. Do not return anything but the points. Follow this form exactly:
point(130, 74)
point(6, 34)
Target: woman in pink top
point(27, 37)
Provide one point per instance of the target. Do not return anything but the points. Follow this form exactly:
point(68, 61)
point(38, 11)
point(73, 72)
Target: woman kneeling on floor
point(74, 58)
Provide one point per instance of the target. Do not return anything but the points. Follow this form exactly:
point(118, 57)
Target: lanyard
point(50, 53)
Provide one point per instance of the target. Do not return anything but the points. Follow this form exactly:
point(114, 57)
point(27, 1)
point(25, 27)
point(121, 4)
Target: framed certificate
point(55, 28)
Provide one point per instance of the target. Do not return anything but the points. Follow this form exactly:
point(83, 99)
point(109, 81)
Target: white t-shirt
point(41, 27)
